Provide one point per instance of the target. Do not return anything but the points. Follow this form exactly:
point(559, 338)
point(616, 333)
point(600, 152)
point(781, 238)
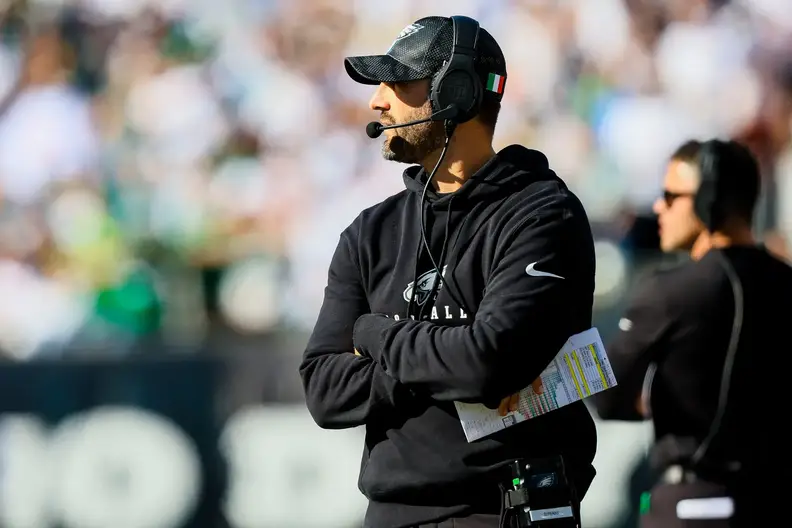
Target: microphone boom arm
point(375, 129)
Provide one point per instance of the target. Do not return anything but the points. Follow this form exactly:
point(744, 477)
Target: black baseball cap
point(420, 51)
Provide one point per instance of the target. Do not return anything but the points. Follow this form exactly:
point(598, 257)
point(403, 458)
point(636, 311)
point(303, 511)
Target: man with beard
point(461, 288)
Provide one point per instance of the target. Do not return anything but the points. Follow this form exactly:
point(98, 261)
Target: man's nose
point(378, 101)
point(659, 206)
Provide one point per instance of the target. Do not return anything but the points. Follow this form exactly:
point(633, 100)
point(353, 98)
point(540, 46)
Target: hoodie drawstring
point(439, 281)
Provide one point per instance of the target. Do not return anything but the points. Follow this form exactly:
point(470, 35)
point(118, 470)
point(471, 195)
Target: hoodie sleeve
point(343, 390)
point(545, 267)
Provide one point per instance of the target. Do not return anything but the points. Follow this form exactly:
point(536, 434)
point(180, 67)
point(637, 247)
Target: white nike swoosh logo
point(533, 272)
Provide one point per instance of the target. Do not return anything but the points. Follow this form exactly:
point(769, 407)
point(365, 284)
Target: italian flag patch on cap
point(495, 83)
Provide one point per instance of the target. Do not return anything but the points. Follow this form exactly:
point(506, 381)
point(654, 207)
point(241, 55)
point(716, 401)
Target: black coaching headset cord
point(728, 367)
point(424, 244)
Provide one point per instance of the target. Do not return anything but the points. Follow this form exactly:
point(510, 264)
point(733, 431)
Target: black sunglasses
point(669, 196)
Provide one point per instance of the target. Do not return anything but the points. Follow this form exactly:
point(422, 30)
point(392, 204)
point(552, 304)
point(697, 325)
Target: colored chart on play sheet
point(580, 369)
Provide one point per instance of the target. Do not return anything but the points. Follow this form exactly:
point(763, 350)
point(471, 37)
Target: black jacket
point(490, 331)
point(678, 327)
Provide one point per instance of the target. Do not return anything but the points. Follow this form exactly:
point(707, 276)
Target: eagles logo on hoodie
point(425, 284)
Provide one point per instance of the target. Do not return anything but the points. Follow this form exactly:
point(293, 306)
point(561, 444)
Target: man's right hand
point(510, 403)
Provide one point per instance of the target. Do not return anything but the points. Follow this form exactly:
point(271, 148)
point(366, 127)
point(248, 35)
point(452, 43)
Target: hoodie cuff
point(368, 334)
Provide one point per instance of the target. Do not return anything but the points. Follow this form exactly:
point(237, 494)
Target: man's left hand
point(511, 403)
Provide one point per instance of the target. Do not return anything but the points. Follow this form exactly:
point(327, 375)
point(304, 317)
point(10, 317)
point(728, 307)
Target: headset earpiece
point(707, 203)
point(457, 83)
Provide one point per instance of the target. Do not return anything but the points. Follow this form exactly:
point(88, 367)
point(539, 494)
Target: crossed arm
point(342, 388)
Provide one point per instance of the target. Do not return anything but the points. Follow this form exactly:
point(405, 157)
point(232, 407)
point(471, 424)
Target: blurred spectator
point(171, 167)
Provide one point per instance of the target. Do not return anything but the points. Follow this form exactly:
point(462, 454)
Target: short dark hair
point(688, 152)
point(743, 171)
point(491, 102)
point(488, 113)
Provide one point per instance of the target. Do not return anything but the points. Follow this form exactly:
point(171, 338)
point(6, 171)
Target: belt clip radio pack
point(540, 495)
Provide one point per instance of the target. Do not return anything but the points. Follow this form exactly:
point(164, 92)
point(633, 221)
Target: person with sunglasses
point(679, 227)
point(697, 352)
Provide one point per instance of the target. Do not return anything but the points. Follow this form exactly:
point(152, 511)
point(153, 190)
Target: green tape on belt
point(646, 498)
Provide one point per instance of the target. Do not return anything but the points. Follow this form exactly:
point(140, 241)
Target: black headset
point(717, 182)
point(457, 84)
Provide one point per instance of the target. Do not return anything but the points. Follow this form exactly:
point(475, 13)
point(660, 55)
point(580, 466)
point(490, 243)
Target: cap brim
point(375, 69)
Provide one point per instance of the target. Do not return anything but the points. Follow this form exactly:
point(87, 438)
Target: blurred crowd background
point(174, 174)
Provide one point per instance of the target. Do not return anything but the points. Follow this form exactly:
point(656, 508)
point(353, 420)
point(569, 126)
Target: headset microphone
point(375, 129)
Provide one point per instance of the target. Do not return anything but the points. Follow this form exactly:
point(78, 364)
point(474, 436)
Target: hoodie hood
point(511, 169)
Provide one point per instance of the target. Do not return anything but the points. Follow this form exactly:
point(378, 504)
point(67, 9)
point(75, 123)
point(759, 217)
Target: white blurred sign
point(131, 468)
point(286, 472)
point(121, 467)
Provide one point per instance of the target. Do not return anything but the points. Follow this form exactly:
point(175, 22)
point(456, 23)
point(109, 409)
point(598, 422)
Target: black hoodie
point(518, 258)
